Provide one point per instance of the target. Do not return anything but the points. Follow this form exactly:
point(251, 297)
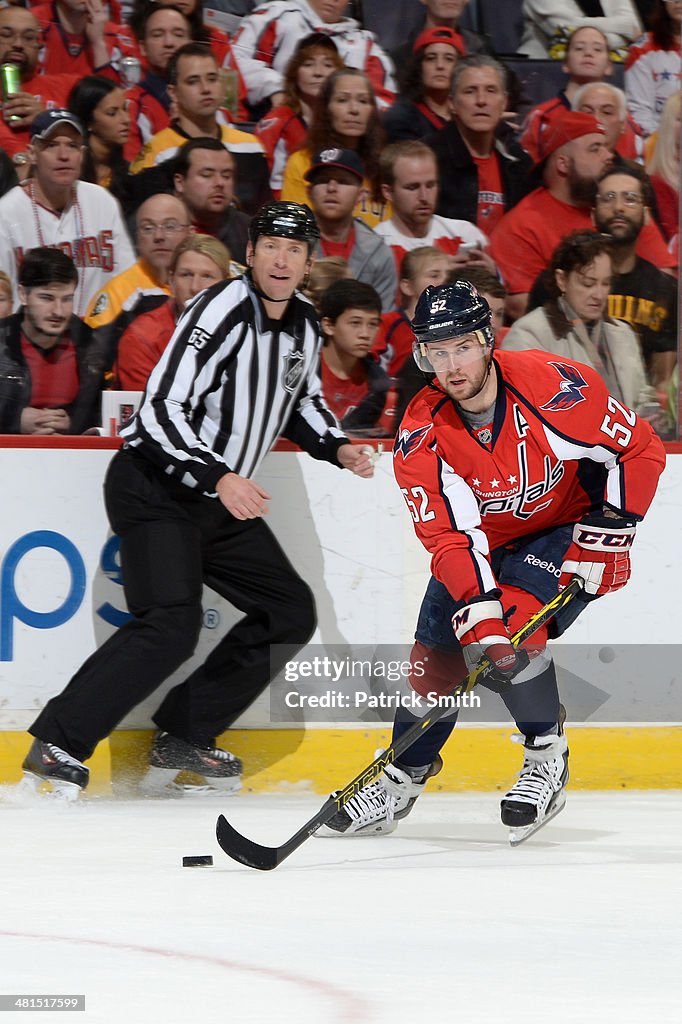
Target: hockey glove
point(599, 554)
point(481, 630)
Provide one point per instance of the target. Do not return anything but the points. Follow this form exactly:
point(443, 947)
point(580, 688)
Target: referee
point(241, 369)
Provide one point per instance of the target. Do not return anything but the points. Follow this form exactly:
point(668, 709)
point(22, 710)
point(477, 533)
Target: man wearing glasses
point(162, 223)
point(20, 43)
point(641, 294)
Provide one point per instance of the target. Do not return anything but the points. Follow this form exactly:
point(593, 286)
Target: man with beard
point(640, 293)
point(51, 367)
point(20, 43)
point(574, 156)
point(205, 176)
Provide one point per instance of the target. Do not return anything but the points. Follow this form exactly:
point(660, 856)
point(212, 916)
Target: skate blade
point(56, 789)
point(161, 782)
point(519, 835)
point(324, 832)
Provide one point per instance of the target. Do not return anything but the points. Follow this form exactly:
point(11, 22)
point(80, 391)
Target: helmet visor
point(441, 356)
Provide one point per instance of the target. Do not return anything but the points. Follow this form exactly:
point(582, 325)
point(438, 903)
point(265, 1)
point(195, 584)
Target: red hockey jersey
point(559, 445)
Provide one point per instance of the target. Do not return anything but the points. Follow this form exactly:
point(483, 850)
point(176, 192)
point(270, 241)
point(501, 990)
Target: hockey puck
point(197, 862)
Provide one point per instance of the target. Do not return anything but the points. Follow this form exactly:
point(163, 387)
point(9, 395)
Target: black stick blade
point(241, 849)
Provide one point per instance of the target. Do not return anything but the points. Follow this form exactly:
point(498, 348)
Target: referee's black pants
point(173, 540)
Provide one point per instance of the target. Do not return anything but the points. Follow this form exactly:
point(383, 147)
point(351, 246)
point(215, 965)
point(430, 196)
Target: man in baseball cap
point(343, 159)
point(336, 180)
point(574, 154)
point(564, 127)
point(439, 34)
point(46, 122)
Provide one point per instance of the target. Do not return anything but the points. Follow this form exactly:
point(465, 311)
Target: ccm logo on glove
point(604, 540)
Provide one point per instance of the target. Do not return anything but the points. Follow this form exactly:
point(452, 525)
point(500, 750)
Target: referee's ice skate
point(170, 755)
point(378, 807)
point(47, 763)
point(538, 794)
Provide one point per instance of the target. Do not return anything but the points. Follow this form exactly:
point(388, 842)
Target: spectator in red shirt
point(576, 154)
point(419, 268)
point(609, 106)
point(267, 38)
point(354, 385)
point(76, 34)
point(213, 37)
point(51, 368)
point(284, 128)
point(160, 32)
point(480, 176)
point(587, 60)
point(20, 43)
point(198, 262)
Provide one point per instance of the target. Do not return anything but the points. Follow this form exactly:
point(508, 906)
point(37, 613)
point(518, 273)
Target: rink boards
point(352, 540)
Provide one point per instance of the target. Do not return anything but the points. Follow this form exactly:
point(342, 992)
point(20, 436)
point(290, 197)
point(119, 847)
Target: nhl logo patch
point(293, 370)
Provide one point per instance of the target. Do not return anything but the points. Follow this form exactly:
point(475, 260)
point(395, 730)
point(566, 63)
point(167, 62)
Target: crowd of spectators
point(138, 140)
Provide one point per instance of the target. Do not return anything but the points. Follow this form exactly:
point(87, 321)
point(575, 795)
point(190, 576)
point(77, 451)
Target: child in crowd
point(419, 268)
point(587, 60)
point(324, 273)
point(354, 385)
point(494, 293)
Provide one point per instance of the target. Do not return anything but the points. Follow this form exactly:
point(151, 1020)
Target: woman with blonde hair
point(664, 166)
point(198, 262)
point(347, 118)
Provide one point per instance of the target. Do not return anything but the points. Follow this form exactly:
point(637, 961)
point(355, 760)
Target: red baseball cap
point(564, 127)
point(440, 34)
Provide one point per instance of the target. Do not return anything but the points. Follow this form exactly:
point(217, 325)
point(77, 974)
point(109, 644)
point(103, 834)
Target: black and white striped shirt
point(230, 381)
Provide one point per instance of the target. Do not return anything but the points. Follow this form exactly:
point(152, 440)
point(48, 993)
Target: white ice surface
point(440, 922)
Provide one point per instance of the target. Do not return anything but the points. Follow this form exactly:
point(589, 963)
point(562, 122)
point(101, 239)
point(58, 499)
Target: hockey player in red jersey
point(519, 471)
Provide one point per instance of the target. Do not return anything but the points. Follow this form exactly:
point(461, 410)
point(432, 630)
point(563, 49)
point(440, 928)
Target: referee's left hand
point(356, 459)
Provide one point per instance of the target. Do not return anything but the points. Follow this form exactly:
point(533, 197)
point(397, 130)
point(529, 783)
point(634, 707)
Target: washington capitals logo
point(570, 389)
point(408, 441)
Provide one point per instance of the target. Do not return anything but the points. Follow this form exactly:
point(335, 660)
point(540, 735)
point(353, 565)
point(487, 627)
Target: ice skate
point(171, 756)
point(377, 809)
point(538, 794)
point(47, 764)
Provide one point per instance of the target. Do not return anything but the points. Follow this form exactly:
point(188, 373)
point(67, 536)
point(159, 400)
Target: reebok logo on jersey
point(570, 389)
point(199, 338)
point(542, 563)
point(409, 441)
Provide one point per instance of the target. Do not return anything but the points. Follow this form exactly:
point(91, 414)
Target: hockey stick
point(265, 858)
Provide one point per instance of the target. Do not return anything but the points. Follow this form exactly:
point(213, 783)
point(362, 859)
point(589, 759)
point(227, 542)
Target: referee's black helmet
point(285, 220)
